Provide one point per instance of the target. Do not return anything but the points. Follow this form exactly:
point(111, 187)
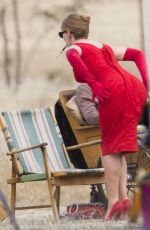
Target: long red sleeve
point(82, 74)
point(138, 57)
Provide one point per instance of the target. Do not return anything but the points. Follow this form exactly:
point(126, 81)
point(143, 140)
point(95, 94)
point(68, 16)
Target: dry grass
point(42, 220)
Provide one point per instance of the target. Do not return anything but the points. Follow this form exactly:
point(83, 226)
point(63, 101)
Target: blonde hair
point(77, 24)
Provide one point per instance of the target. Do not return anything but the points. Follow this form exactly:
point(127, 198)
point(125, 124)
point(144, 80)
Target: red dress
point(120, 113)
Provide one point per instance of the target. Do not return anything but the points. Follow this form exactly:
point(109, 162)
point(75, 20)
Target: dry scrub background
point(43, 76)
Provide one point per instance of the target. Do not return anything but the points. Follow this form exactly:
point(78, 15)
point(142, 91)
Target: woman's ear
point(69, 35)
point(71, 38)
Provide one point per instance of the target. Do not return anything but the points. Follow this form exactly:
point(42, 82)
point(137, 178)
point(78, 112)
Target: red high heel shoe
point(116, 211)
point(127, 204)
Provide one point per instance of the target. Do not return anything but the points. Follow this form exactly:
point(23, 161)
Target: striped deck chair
point(37, 153)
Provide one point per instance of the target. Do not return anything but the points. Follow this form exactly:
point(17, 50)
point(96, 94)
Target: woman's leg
point(123, 179)
point(112, 165)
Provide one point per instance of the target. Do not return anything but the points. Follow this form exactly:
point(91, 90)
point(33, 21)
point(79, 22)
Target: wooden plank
point(78, 180)
point(33, 207)
point(13, 180)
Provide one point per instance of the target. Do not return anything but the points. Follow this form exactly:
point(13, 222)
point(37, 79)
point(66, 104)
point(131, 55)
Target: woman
point(121, 98)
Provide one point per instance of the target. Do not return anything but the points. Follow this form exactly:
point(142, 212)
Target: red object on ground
point(86, 211)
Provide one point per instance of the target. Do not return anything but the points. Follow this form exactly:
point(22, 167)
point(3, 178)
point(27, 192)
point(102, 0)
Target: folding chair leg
point(13, 197)
point(53, 201)
point(50, 186)
point(57, 197)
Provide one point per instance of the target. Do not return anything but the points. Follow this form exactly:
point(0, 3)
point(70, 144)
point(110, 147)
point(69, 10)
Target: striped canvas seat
point(31, 127)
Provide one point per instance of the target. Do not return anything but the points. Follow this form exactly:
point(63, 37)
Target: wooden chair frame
point(83, 133)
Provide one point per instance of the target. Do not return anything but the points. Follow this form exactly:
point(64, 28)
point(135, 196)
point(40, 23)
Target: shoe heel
point(116, 211)
point(127, 204)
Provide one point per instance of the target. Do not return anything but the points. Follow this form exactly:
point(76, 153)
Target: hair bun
point(85, 18)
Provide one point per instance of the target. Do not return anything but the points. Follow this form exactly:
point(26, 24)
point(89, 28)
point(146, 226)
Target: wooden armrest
point(26, 149)
point(84, 145)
